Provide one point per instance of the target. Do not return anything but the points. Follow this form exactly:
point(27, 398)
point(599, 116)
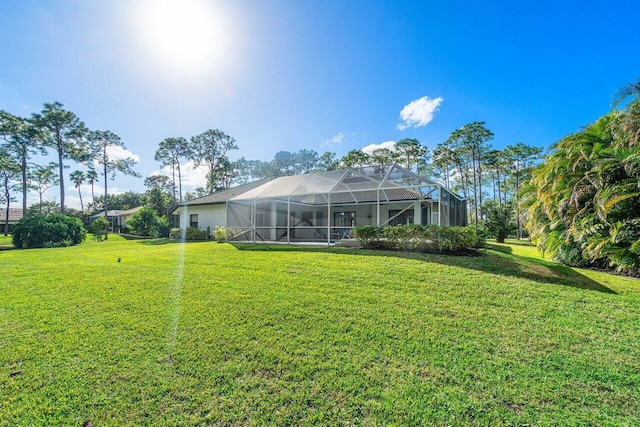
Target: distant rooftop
point(15, 214)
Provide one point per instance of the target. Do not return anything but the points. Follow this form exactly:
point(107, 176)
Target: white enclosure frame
point(326, 206)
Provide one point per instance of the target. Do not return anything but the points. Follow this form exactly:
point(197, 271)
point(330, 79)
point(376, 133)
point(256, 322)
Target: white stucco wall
point(208, 215)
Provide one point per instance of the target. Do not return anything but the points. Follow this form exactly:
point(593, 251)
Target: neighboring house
point(15, 214)
point(325, 206)
point(113, 216)
point(123, 216)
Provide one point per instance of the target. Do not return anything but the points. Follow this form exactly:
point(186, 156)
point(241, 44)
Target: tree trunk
point(61, 171)
point(6, 214)
point(179, 182)
point(24, 186)
point(475, 193)
point(6, 217)
point(498, 177)
point(173, 180)
point(106, 200)
point(480, 185)
point(518, 233)
point(81, 204)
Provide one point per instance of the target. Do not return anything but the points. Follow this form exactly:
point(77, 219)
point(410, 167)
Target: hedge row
point(417, 238)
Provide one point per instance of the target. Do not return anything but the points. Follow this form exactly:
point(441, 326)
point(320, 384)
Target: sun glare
point(186, 36)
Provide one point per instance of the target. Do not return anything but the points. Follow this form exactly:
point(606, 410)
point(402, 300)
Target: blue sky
point(321, 75)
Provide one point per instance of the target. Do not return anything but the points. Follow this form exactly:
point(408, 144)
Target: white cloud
point(118, 153)
point(419, 112)
point(369, 149)
point(192, 177)
point(335, 140)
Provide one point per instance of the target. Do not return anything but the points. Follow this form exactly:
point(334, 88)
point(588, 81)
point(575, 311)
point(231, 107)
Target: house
point(15, 214)
point(117, 217)
point(210, 211)
point(125, 215)
point(325, 206)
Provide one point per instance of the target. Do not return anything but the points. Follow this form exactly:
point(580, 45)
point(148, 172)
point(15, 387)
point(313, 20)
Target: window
point(398, 218)
point(344, 219)
point(193, 220)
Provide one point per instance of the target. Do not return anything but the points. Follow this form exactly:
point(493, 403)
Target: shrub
point(220, 234)
point(145, 222)
point(37, 231)
point(418, 238)
point(176, 233)
point(196, 234)
point(100, 227)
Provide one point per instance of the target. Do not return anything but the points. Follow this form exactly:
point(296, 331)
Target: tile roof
point(224, 195)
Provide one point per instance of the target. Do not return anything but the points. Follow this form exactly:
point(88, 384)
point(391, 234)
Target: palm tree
point(631, 89)
point(78, 177)
point(92, 177)
point(583, 202)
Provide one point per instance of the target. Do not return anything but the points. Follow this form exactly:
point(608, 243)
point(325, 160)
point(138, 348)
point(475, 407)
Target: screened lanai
point(326, 206)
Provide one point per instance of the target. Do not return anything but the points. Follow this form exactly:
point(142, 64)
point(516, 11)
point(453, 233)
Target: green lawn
point(5, 242)
point(206, 333)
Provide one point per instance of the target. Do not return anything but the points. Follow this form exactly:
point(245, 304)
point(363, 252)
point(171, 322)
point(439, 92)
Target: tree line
point(61, 131)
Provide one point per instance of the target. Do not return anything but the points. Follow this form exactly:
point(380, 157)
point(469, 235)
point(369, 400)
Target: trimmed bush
point(38, 231)
point(196, 234)
point(417, 238)
point(220, 234)
point(191, 233)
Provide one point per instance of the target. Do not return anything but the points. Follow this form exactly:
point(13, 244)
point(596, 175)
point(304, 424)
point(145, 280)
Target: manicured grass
point(206, 333)
point(5, 242)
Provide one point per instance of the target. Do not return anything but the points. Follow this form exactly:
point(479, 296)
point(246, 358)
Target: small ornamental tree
point(37, 231)
point(145, 222)
point(499, 220)
point(100, 227)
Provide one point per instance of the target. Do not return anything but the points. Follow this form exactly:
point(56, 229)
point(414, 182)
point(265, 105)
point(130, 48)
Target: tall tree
point(65, 134)
point(383, 156)
point(126, 200)
point(521, 157)
point(284, 162)
point(307, 161)
point(23, 140)
point(78, 177)
point(43, 178)
point(210, 148)
point(100, 145)
point(92, 178)
point(171, 152)
point(443, 160)
point(355, 158)
point(411, 152)
point(158, 196)
point(472, 139)
point(328, 162)
point(9, 171)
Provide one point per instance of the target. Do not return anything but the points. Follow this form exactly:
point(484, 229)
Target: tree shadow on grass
point(497, 260)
